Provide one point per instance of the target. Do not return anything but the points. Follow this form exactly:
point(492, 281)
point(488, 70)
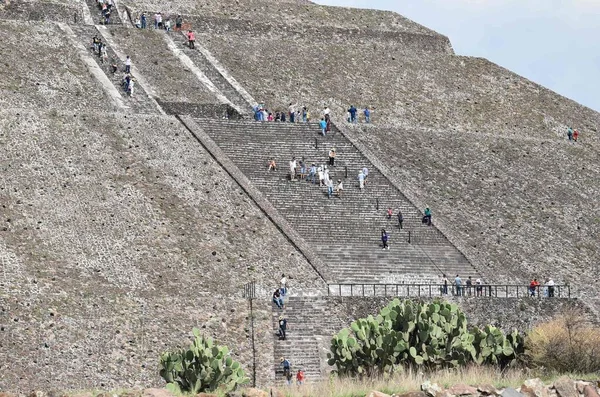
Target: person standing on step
point(400, 219)
point(361, 180)
point(389, 213)
point(329, 188)
point(128, 64)
point(478, 287)
point(458, 284)
point(323, 125)
point(384, 239)
point(339, 188)
point(332, 155)
point(469, 285)
point(365, 171)
point(282, 327)
point(178, 23)
point(292, 112)
point(312, 173)
point(285, 363)
point(293, 169)
point(130, 86)
point(103, 54)
point(326, 113)
point(367, 113)
point(191, 39)
point(300, 377)
point(158, 20)
point(427, 217)
point(570, 134)
point(575, 135)
point(144, 20)
point(283, 283)
point(321, 175)
point(352, 112)
point(326, 178)
point(550, 287)
point(304, 115)
point(444, 284)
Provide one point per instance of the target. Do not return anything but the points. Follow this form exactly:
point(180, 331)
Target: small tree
point(204, 366)
point(566, 344)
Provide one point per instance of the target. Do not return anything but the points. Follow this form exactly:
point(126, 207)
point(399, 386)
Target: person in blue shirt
point(367, 113)
point(352, 112)
point(458, 283)
point(312, 173)
point(144, 21)
point(384, 239)
point(323, 125)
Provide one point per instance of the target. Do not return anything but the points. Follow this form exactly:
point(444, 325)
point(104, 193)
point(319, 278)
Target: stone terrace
point(424, 90)
point(345, 232)
point(165, 73)
point(68, 11)
point(127, 221)
point(45, 71)
point(291, 13)
point(528, 205)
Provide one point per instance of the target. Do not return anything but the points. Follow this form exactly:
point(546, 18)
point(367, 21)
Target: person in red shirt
point(191, 39)
point(575, 135)
point(300, 377)
point(533, 286)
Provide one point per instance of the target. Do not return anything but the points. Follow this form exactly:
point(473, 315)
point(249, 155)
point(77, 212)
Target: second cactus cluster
point(413, 333)
point(204, 366)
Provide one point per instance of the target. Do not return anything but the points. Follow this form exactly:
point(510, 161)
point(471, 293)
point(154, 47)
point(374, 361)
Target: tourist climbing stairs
point(140, 102)
point(310, 328)
point(344, 231)
point(96, 13)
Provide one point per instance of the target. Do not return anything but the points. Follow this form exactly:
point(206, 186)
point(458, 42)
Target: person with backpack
point(384, 239)
point(191, 39)
point(282, 327)
point(285, 363)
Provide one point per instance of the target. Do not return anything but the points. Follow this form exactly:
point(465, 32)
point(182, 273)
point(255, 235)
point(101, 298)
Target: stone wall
point(119, 234)
point(519, 203)
point(290, 13)
point(42, 70)
point(67, 11)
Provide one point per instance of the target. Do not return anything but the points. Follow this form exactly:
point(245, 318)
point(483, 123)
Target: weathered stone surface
point(412, 394)
point(580, 385)
point(590, 391)
point(431, 389)
point(252, 392)
point(206, 395)
point(534, 388)
point(375, 393)
point(566, 387)
point(488, 390)
point(462, 390)
point(510, 392)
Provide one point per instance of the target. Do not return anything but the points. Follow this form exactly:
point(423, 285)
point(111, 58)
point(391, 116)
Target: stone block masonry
point(119, 234)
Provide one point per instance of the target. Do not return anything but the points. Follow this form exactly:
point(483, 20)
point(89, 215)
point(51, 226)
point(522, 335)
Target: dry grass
point(407, 381)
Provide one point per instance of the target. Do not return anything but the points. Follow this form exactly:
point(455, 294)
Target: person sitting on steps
point(272, 165)
point(278, 299)
point(339, 188)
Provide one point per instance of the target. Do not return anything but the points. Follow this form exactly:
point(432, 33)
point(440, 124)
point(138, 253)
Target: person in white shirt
point(339, 188)
point(550, 286)
point(293, 169)
point(365, 172)
point(283, 282)
point(130, 87)
point(321, 176)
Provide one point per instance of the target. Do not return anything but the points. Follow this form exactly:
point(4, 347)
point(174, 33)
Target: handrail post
point(351, 289)
point(377, 203)
point(507, 290)
point(396, 290)
point(316, 144)
point(346, 170)
point(340, 289)
point(430, 290)
point(409, 236)
point(373, 289)
point(408, 290)
point(385, 290)
point(569, 290)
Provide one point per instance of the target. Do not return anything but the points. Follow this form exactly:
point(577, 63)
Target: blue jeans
point(278, 302)
point(367, 119)
point(311, 177)
point(143, 23)
point(329, 191)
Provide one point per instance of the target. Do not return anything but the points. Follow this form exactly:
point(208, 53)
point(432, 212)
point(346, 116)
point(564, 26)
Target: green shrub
point(204, 366)
point(565, 344)
point(412, 333)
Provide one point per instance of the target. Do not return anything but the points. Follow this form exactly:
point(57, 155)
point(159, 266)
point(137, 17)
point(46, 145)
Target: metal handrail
point(441, 290)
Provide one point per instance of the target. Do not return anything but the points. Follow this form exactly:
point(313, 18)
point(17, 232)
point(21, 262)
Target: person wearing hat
point(332, 157)
point(282, 327)
point(286, 366)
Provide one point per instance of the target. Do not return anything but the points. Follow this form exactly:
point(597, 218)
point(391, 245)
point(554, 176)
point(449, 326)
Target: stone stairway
point(139, 102)
point(96, 13)
point(344, 231)
point(212, 73)
point(310, 327)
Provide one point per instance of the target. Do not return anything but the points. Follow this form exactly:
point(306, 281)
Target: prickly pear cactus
point(204, 366)
point(413, 333)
